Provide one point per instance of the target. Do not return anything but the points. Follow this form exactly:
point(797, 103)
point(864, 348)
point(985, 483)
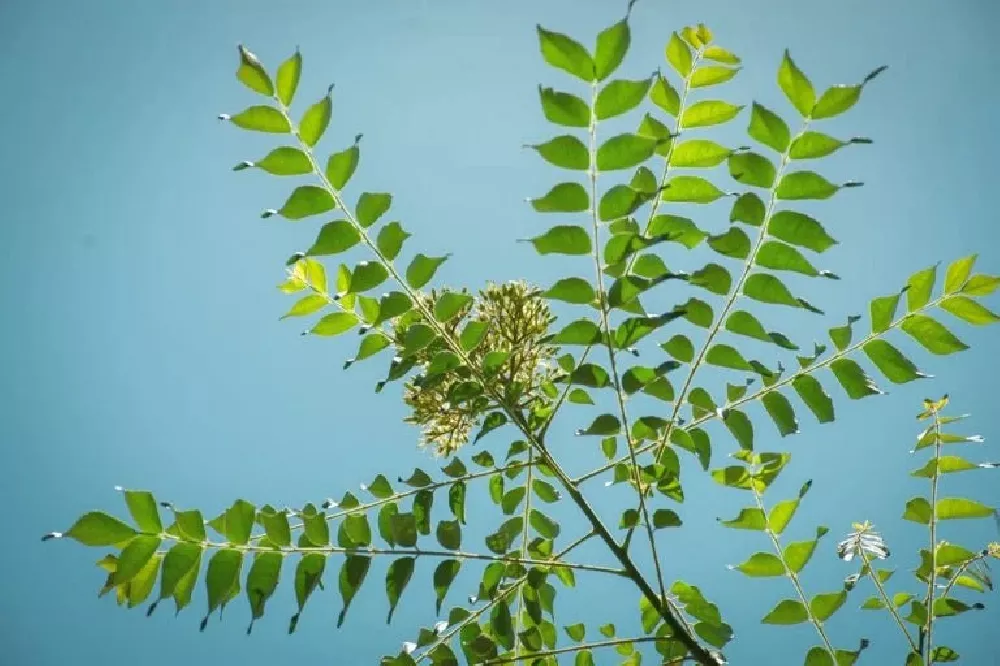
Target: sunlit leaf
point(564, 53)
point(796, 86)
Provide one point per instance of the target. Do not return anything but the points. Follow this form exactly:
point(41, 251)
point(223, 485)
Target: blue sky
point(143, 346)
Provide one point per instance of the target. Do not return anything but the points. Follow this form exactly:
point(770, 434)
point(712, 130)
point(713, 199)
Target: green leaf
point(835, 100)
point(981, 285)
point(544, 525)
point(798, 553)
point(563, 198)
point(260, 118)
point(371, 206)
point(333, 238)
point(563, 239)
point(890, 361)
point(797, 88)
point(752, 169)
point(918, 510)
point(781, 257)
point(545, 491)
point(734, 243)
point(565, 151)
point(748, 209)
point(665, 518)
point(968, 310)
point(725, 356)
point(781, 515)
point(367, 275)
point(422, 269)
point(288, 78)
point(390, 240)
point(308, 574)
point(456, 501)
point(825, 605)
point(719, 54)
point(788, 611)
point(691, 189)
point(142, 506)
point(449, 534)
point(180, 561)
point(766, 288)
point(307, 200)
point(698, 153)
point(748, 519)
point(579, 332)
point(883, 311)
point(943, 465)
point(957, 508)
point(262, 581)
point(919, 288)
point(854, 380)
point(603, 425)
point(620, 201)
point(707, 113)
point(396, 580)
point(679, 55)
point(680, 347)
point(678, 229)
point(563, 108)
point(741, 428)
point(781, 412)
point(612, 45)
point(799, 229)
point(761, 565)
point(564, 53)
point(624, 151)
point(816, 399)
point(804, 185)
point(698, 312)
point(449, 304)
point(665, 96)
point(134, 557)
point(620, 96)
point(572, 290)
point(285, 161)
point(315, 121)
point(335, 323)
point(99, 529)
point(444, 575)
point(744, 323)
point(768, 128)
point(811, 145)
point(352, 574)
point(239, 522)
point(306, 306)
point(711, 76)
point(222, 577)
point(141, 585)
point(933, 336)
point(712, 277)
point(958, 272)
point(276, 527)
point(341, 166)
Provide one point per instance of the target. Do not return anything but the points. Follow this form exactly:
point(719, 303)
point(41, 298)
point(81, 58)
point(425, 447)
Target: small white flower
point(865, 540)
point(409, 647)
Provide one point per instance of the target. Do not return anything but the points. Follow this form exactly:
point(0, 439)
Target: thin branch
point(927, 636)
point(578, 648)
point(367, 551)
point(363, 508)
point(793, 577)
point(891, 607)
point(602, 300)
point(524, 547)
point(818, 365)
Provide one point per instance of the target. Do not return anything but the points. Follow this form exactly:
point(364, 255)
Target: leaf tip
point(52, 535)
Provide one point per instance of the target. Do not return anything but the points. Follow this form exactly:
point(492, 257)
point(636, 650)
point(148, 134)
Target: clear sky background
point(141, 344)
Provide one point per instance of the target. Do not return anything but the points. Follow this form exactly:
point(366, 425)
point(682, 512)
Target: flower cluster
point(863, 541)
point(511, 353)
